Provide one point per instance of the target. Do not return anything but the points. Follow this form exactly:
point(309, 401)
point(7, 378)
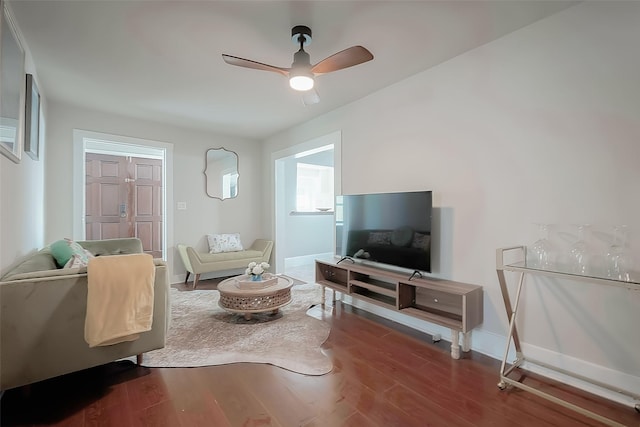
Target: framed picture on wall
point(32, 119)
point(12, 87)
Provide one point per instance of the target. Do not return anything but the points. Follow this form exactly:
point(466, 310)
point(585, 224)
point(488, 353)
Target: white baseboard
point(305, 260)
point(493, 345)
point(602, 374)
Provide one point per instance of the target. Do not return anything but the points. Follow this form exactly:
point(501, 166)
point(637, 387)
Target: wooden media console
point(454, 305)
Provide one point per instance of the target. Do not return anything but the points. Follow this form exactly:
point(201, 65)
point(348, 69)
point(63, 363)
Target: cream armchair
point(197, 263)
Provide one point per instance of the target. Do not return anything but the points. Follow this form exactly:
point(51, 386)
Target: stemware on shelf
point(541, 252)
point(579, 253)
point(618, 259)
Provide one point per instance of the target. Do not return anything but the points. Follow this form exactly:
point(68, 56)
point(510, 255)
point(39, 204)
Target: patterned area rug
point(203, 334)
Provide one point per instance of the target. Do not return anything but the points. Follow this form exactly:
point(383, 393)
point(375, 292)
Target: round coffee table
point(248, 301)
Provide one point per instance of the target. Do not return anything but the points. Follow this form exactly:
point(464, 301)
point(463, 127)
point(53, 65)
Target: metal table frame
point(512, 311)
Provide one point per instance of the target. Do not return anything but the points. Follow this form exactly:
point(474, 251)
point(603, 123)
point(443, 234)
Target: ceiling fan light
point(301, 83)
point(301, 79)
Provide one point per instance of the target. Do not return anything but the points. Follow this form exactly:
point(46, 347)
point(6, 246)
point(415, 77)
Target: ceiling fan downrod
point(300, 75)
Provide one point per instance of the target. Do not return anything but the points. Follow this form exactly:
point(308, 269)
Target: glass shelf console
point(630, 280)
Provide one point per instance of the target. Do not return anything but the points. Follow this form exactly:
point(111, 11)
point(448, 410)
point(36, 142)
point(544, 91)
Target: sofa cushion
point(40, 261)
point(402, 236)
point(228, 242)
point(42, 264)
point(230, 256)
point(44, 275)
point(421, 241)
point(126, 245)
point(379, 237)
point(63, 250)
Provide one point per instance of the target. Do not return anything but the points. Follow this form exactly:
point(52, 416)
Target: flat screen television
point(392, 229)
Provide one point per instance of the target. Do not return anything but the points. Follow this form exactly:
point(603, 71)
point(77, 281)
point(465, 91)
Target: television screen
point(385, 228)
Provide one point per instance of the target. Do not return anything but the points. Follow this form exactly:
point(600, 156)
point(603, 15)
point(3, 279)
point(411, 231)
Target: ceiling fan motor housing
point(301, 59)
point(301, 31)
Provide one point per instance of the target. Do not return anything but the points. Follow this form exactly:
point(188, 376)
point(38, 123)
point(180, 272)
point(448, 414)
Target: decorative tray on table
point(246, 282)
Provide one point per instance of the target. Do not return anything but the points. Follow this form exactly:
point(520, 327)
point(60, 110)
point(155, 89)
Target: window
point(314, 188)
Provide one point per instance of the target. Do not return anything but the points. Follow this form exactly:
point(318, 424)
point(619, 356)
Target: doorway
point(304, 231)
point(122, 188)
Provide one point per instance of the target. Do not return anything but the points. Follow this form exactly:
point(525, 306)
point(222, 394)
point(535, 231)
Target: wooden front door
point(124, 199)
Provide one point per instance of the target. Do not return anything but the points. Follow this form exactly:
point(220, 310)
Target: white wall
point(203, 214)
point(22, 192)
point(541, 125)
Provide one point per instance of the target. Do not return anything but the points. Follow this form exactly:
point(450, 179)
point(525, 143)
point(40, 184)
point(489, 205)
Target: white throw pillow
point(78, 260)
point(229, 242)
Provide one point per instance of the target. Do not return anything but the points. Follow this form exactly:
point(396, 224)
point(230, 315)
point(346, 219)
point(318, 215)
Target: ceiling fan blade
point(344, 59)
point(247, 63)
point(310, 97)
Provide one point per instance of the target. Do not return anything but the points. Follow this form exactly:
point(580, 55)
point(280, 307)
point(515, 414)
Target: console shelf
point(512, 303)
point(376, 287)
point(454, 305)
point(331, 276)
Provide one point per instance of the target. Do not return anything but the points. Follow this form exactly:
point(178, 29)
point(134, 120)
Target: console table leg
point(333, 293)
point(466, 341)
point(455, 345)
point(324, 291)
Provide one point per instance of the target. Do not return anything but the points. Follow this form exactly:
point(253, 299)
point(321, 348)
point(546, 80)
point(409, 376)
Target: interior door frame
point(122, 146)
point(278, 184)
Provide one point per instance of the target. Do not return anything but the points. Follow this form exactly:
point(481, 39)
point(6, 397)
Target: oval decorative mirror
point(221, 173)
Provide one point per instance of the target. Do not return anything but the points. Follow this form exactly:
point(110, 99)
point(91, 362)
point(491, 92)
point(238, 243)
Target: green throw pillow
point(63, 250)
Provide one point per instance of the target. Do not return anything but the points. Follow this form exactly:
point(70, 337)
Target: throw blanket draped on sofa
point(119, 299)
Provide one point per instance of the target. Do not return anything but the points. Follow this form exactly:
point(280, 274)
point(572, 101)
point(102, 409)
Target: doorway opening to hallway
point(307, 178)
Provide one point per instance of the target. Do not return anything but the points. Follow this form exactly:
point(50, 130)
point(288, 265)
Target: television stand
point(454, 305)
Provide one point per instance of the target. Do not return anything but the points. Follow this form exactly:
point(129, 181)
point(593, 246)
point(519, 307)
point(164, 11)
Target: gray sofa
point(43, 310)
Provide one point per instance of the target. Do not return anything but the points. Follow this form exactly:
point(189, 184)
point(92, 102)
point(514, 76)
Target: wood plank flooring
point(384, 375)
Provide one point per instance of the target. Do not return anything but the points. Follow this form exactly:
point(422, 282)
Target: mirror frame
point(207, 179)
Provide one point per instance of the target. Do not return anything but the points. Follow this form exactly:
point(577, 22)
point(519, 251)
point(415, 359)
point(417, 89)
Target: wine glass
point(617, 258)
point(579, 254)
point(541, 250)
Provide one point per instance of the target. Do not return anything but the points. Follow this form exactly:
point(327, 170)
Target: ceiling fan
point(301, 74)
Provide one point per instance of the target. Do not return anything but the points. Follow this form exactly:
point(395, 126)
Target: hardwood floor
point(384, 375)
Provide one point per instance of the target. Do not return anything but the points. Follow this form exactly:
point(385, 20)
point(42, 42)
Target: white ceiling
point(161, 60)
